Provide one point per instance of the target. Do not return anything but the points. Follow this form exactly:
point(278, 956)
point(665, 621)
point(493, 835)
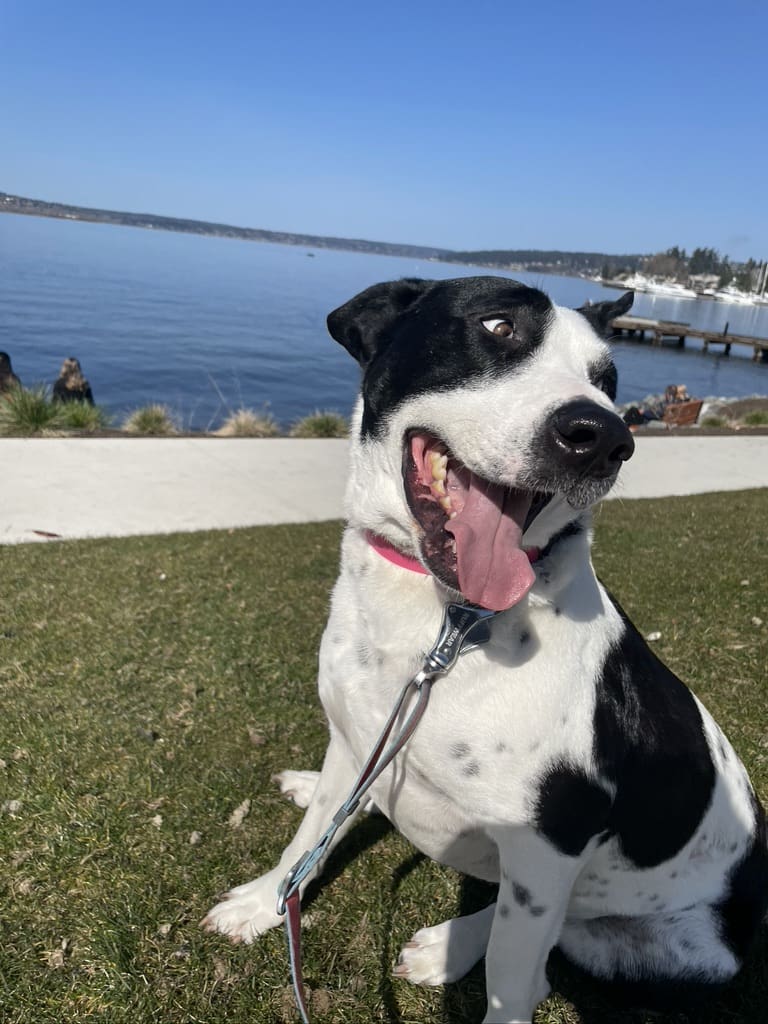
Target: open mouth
point(472, 528)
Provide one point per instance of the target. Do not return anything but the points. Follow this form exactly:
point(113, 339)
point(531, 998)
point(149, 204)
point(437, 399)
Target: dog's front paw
point(430, 958)
point(297, 786)
point(247, 911)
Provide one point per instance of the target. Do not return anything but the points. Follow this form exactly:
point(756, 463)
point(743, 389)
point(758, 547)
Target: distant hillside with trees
point(545, 261)
point(532, 260)
point(673, 264)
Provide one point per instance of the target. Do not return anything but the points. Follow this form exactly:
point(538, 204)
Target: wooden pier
point(661, 331)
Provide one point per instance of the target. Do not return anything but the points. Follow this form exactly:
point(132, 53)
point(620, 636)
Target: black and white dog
point(562, 759)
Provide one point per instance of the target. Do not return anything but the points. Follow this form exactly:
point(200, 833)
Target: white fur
point(508, 709)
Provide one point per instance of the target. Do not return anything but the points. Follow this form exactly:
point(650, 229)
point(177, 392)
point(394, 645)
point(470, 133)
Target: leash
point(464, 628)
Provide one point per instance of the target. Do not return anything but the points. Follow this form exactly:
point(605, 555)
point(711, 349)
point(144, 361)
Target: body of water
point(210, 325)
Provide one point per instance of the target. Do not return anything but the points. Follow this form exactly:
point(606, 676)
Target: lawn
point(152, 685)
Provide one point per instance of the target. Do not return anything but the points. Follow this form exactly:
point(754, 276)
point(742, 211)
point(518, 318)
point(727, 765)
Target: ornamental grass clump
point(83, 417)
point(321, 424)
point(27, 412)
point(151, 421)
point(247, 423)
point(756, 418)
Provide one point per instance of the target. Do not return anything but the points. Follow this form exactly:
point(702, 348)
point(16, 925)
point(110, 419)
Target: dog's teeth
point(453, 516)
point(439, 465)
point(445, 503)
point(438, 488)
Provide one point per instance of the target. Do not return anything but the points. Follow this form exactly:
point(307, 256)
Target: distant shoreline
point(567, 264)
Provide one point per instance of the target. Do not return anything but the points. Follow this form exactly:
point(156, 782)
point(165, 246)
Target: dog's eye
point(501, 328)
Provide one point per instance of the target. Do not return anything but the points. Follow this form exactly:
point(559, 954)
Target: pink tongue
point(493, 569)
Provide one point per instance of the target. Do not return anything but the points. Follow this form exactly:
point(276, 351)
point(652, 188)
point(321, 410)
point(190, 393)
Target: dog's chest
point(504, 714)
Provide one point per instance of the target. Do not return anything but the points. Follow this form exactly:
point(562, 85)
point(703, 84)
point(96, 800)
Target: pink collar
point(392, 554)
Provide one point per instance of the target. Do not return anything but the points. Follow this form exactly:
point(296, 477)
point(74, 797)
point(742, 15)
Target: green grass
point(247, 423)
point(756, 418)
point(151, 685)
point(26, 412)
point(83, 417)
point(321, 423)
point(151, 421)
point(30, 412)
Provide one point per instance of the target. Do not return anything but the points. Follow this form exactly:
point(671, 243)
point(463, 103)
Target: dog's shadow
point(742, 1002)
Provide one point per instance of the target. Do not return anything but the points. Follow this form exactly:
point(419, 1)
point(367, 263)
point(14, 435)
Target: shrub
point(321, 424)
point(151, 421)
point(756, 418)
point(83, 416)
point(247, 423)
point(28, 411)
point(715, 421)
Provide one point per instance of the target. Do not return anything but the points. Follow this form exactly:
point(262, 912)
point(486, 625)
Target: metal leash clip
point(464, 627)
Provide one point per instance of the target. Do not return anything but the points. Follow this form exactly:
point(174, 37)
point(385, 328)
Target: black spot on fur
point(572, 529)
point(537, 911)
point(459, 750)
point(524, 637)
point(604, 376)
point(363, 655)
point(649, 741)
point(521, 895)
point(503, 910)
point(570, 808)
point(501, 746)
point(471, 768)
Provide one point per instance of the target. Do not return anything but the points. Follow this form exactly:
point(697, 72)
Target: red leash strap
point(293, 933)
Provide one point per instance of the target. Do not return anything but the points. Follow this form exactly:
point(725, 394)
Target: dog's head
point(485, 425)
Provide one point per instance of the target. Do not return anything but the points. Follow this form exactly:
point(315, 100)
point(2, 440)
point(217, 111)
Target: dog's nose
point(590, 439)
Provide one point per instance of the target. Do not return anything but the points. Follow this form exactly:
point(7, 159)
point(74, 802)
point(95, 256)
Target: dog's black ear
point(601, 314)
point(357, 324)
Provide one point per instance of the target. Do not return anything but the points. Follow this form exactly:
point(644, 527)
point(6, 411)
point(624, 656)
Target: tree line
point(675, 264)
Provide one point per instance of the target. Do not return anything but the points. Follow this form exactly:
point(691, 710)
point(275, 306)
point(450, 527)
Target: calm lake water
point(209, 325)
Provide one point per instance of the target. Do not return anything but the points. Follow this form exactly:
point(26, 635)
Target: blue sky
point(574, 125)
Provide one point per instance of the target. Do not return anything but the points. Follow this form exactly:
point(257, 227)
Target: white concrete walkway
point(115, 487)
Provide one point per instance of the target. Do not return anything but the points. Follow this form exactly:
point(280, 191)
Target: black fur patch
point(649, 741)
point(570, 808)
point(440, 343)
